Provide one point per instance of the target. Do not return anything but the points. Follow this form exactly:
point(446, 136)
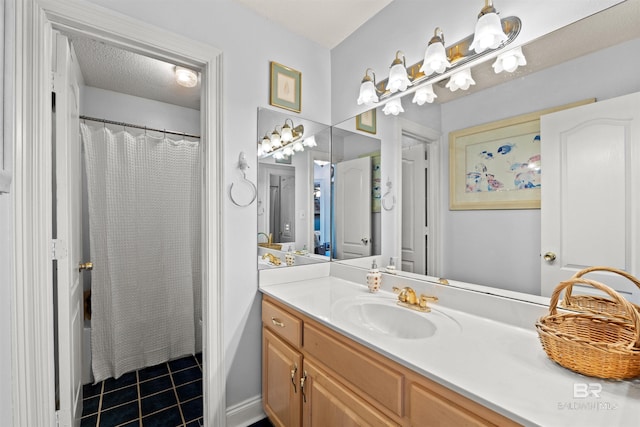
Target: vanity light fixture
point(368, 94)
point(186, 77)
point(284, 143)
point(393, 107)
point(310, 142)
point(398, 78)
point(461, 80)
point(509, 61)
point(276, 139)
point(492, 33)
point(435, 57)
point(286, 134)
point(424, 94)
point(489, 33)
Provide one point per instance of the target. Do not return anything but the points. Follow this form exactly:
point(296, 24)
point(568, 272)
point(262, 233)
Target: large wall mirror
point(499, 249)
point(412, 226)
point(294, 190)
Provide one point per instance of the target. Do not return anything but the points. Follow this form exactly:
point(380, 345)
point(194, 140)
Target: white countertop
point(499, 364)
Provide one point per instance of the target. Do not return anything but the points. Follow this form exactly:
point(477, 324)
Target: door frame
point(432, 140)
point(33, 386)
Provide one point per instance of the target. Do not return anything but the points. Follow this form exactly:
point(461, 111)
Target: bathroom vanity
point(335, 354)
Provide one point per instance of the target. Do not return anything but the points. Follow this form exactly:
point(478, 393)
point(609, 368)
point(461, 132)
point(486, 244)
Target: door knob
point(85, 266)
point(549, 257)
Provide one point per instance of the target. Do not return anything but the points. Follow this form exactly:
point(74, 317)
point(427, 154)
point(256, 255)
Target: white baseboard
point(245, 413)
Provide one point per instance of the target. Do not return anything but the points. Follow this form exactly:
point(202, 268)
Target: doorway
point(34, 402)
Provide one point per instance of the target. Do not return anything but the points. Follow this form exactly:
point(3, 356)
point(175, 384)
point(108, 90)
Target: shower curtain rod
point(129, 125)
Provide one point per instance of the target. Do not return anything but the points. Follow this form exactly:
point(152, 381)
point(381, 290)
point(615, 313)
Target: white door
point(591, 192)
point(68, 233)
point(353, 208)
point(414, 211)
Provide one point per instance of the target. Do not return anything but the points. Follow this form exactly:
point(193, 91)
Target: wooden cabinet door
point(281, 366)
point(328, 403)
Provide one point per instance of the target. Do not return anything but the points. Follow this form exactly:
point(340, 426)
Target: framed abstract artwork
point(497, 165)
point(286, 85)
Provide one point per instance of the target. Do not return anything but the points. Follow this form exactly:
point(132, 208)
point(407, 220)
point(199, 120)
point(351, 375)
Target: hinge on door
point(58, 249)
point(53, 81)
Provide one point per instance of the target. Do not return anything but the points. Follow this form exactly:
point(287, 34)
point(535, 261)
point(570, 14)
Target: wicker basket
point(597, 304)
point(593, 344)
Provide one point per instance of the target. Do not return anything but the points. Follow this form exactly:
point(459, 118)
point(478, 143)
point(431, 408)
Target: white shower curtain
point(144, 219)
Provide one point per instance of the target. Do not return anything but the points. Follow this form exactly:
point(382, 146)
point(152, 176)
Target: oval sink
point(390, 320)
point(381, 316)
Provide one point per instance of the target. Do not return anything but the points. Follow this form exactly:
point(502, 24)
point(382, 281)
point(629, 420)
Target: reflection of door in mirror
point(353, 208)
point(415, 224)
point(282, 205)
point(321, 206)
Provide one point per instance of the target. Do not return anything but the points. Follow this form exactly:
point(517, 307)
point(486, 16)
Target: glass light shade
point(297, 146)
point(260, 150)
point(461, 80)
point(286, 135)
point(488, 34)
point(278, 155)
point(266, 144)
point(398, 79)
point(424, 94)
point(367, 93)
point(393, 107)
point(310, 141)
point(287, 150)
point(275, 139)
point(186, 77)
point(435, 59)
point(509, 61)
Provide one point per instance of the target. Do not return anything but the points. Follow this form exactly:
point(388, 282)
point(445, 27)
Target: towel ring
point(385, 197)
point(243, 165)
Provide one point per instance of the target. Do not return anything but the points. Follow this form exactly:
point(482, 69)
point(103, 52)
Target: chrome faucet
point(407, 298)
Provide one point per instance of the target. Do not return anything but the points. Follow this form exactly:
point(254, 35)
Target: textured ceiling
point(107, 67)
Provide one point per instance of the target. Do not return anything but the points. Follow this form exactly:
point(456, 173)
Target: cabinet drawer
point(358, 367)
point(282, 323)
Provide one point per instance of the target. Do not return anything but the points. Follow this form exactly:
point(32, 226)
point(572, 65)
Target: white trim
point(433, 138)
point(32, 298)
point(245, 413)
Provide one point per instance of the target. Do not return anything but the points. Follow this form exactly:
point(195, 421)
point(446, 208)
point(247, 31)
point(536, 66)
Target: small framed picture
point(367, 121)
point(286, 84)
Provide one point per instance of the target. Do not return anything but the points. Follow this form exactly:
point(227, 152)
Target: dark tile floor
point(262, 423)
point(165, 395)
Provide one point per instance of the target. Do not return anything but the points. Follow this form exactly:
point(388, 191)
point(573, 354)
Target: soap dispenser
point(391, 268)
point(289, 257)
point(374, 278)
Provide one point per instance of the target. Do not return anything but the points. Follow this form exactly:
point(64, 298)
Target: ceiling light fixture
point(186, 77)
point(492, 33)
point(509, 61)
point(489, 33)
